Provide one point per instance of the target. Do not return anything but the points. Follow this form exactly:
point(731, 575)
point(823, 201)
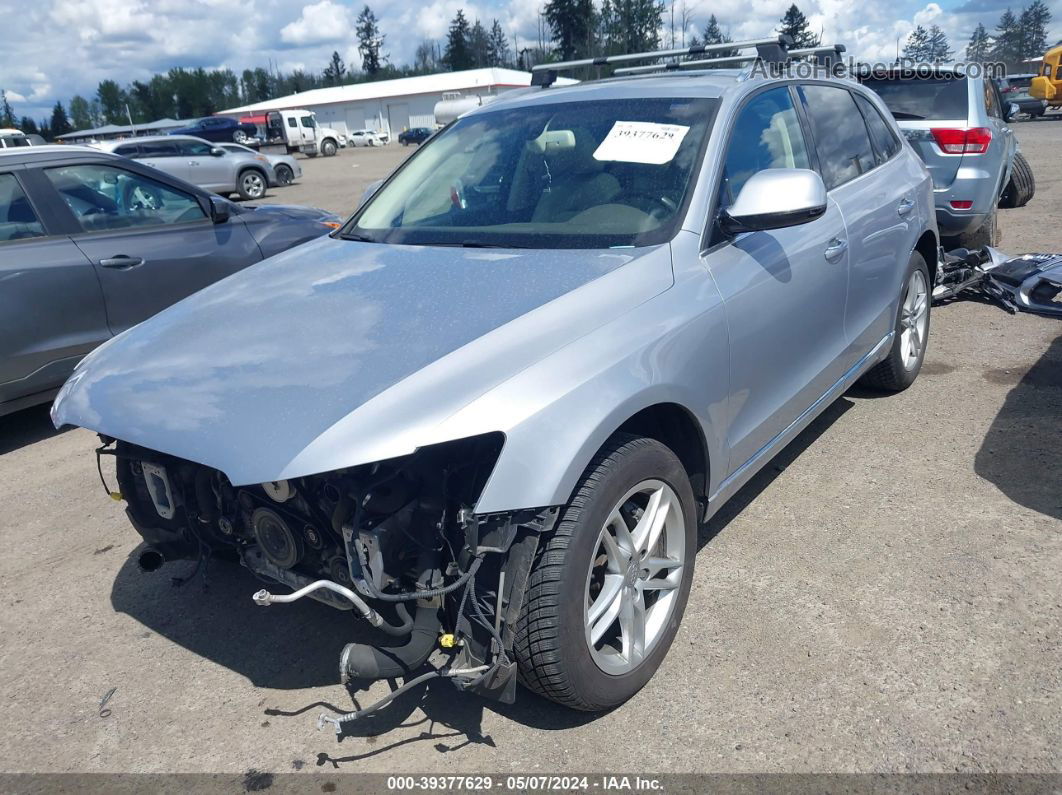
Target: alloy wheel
point(253, 185)
point(633, 582)
point(914, 317)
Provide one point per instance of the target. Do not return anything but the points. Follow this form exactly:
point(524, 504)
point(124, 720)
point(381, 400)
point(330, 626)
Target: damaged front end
point(1027, 283)
point(397, 541)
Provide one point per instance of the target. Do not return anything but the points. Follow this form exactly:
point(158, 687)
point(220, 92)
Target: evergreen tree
point(60, 124)
point(112, 101)
point(458, 53)
point(28, 125)
point(713, 34)
point(1007, 45)
point(609, 36)
point(1033, 25)
point(980, 45)
point(80, 114)
point(796, 25)
point(571, 22)
point(335, 71)
point(916, 48)
point(637, 24)
point(478, 44)
point(498, 46)
point(7, 114)
point(937, 48)
point(44, 129)
point(370, 42)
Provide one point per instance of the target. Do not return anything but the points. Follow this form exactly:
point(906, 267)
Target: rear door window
point(18, 221)
point(936, 97)
point(158, 149)
point(886, 144)
point(841, 137)
point(194, 148)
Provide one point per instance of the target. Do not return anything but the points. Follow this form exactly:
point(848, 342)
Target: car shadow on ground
point(297, 646)
point(26, 427)
point(1022, 451)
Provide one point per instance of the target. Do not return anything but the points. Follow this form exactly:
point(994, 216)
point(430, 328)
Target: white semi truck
point(296, 130)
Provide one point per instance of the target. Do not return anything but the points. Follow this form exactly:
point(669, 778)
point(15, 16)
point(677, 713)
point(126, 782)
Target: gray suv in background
point(959, 125)
point(200, 162)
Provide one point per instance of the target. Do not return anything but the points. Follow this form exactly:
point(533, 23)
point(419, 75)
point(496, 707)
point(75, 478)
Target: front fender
point(671, 349)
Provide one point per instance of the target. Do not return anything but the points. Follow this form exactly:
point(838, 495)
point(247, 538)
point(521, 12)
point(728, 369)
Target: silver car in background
point(200, 162)
point(493, 409)
point(959, 125)
point(286, 169)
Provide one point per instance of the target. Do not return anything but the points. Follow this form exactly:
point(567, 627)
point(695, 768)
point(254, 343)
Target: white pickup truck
point(296, 130)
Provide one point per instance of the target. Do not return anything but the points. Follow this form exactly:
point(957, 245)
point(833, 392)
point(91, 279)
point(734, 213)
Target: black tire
point(987, 234)
point(251, 184)
point(1021, 186)
point(328, 147)
point(892, 375)
point(285, 176)
point(550, 645)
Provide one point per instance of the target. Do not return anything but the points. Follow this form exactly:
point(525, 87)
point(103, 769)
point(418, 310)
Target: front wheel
point(239, 137)
point(900, 369)
point(252, 185)
point(328, 148)
point(608, 590)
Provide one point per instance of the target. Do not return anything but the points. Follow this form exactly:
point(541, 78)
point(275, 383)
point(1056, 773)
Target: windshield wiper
point(357, 237)
point(902, 114)
point(482, 244)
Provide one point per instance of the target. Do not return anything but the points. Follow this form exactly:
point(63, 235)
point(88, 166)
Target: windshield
point(914, 98)
point(568, 175)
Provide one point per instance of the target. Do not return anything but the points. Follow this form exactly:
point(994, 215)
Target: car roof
point(108, 145)
point(42, 154)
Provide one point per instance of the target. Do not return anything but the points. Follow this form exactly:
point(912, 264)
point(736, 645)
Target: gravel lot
point(885, 597)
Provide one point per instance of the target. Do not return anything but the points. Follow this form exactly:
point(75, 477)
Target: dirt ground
point(885, 597)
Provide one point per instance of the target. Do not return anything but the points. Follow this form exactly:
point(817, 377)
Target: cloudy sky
point(53, 49)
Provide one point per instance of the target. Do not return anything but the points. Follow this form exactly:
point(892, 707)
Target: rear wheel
point(1021, 186)
point(252, 185)
point(606, 595)
point(285, 176)
point(987, 234)
point(240, 136)
point(900, 369)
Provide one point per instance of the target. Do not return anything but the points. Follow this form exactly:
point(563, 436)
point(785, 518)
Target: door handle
point(122, 262)
point(836, 248)
point(905, 206)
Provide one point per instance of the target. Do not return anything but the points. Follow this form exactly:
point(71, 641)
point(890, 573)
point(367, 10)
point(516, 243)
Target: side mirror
point(217, 151)
point(220, 210)
point(774, 199)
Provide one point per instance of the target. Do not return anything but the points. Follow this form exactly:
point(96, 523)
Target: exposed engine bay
point(397, 542)
point(1027, 283)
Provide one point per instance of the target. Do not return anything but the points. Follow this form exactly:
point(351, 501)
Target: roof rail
point(826, 55)
point(770, 50)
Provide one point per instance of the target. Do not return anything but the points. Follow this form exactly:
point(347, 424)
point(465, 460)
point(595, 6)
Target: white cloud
point(319, 23)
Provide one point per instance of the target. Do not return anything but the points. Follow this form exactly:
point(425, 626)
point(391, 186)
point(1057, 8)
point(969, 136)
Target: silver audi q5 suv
point(489, 413)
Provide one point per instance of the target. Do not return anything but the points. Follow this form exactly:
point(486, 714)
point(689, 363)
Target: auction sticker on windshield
point(641, 142)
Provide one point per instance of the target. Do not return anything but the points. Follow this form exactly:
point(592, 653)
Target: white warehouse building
point(392, 105)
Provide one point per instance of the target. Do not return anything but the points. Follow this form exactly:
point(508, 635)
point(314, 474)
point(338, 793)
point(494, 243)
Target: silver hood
point(337, 353)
